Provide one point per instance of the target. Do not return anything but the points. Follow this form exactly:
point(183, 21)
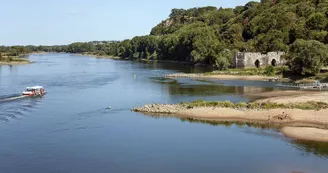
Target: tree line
point(212, 36)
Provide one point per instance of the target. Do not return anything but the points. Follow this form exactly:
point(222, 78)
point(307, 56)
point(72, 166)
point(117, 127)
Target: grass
point(16, 59)
point(311, 105)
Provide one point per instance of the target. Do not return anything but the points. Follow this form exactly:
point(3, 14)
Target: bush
point(10, 58)
point(270, 71)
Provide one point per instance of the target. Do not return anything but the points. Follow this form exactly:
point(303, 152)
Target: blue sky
point(50, 22)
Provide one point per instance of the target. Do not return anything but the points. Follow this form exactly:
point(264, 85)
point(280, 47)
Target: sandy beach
point(306, 133)
point(295, 96)
point(295, 123)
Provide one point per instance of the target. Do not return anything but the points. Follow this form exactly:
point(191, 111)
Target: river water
point(70, 130)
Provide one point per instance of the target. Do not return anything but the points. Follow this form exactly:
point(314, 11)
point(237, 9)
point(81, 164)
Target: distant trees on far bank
point(212, 36)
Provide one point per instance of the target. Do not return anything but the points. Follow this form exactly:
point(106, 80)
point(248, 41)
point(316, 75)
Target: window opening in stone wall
point(257, 63)
point(274, 62)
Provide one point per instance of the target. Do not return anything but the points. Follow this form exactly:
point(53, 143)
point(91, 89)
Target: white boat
point(34, 91)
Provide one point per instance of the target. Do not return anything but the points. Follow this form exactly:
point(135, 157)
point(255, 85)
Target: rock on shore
point(183, 75)
point(159, 108)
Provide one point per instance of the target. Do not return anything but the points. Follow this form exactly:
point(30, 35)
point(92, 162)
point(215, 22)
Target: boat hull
point(31, 94)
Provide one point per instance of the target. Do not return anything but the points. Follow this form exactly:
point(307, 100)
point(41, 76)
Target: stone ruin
point(255, 59)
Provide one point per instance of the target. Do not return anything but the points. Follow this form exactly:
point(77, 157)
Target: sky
point(58, 22)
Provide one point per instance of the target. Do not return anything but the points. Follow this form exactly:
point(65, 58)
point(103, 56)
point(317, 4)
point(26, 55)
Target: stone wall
point(255, 59)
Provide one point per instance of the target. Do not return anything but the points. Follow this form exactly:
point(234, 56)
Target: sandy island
point(295, 123)
point(221, 76)
point(295, 96)
point(14, 62)
point(306, 133)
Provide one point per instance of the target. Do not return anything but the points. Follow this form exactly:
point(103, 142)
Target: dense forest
point(212, 36)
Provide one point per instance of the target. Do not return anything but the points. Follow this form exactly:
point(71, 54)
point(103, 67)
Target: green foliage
point(304, 9)
point(270, 71)
point(307, 57)
point(225, 59)
point(274, 40)
point(317, 21)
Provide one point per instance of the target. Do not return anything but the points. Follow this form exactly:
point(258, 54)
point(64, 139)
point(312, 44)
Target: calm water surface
point(71, 131)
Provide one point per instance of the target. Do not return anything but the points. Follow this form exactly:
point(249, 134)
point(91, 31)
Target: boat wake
point(102, 111)
point(15, 107)
point(7, 98)
point(12, 98)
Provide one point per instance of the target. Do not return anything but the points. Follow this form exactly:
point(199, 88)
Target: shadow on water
point(319, 149)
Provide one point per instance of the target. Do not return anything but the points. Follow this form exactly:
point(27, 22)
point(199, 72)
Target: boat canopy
point(34, 88)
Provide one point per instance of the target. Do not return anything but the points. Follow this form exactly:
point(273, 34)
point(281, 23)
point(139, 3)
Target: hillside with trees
point(212, 36)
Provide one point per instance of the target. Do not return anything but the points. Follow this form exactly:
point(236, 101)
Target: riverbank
point(141, 60)
point(165, 61)
point(16, 61)
point(295, 109)
point(100, 56)
point(221, 76)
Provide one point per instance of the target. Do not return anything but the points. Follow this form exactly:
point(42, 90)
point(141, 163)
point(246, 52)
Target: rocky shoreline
point(183, 75)
point(160, 108)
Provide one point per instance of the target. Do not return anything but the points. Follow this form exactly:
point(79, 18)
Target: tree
point(317, 21)
point(177, 12)
point(1, 58)
point(274, 40)
point(224, 59)
point(307, 57)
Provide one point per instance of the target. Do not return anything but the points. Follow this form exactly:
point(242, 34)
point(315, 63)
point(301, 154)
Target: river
point(71, 129)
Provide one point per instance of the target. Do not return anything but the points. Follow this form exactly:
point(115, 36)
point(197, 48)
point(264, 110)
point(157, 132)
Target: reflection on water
point(317, 148)
point(178, 67)
point(215, 123)
point(269, 130)
point(203, 87)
